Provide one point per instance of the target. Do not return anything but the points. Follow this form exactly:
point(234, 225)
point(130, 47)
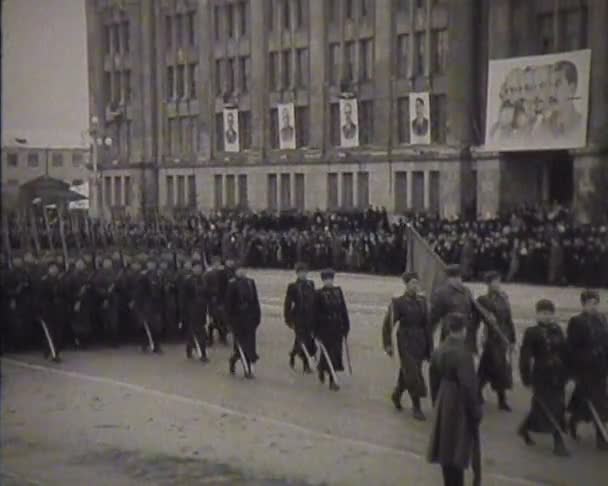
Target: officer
point(81, 293)
point(52, 312)
point(216, 283)
point(194, 310)
point(104, 285)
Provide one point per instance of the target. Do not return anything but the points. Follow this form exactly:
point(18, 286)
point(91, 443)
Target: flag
point(424, 261)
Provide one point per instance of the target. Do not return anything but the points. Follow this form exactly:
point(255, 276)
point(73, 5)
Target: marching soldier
point(298, 311)
point(454, 297)
point(194, 311)
point(149, 302)
point(495, 362)
point(170, 299)
point(587, 336)
point(104, 285)
point(216, 283)
point(18, 317)
point(52, 314)
point(331, 327)
point(542, 364)
point(414, 342)
point(81, 293)
point(244, 315)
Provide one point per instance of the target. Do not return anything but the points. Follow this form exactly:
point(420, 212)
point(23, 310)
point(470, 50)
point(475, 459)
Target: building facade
point(22, 164)
point(162, 73)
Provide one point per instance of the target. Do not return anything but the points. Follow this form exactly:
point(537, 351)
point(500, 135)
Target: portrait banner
point(538, 102)
point(231, 130)
point(349, 123)
point(420, 119)
point(287, 126)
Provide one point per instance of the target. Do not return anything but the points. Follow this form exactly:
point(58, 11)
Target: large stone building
point(162, 72)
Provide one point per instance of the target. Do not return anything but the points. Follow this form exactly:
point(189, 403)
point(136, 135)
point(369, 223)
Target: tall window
point(334, 63)
point(181, 191)
point(419, 40)
point(77, 159)
point(545, 32)
point(192, 75)
point(107, 186)
point(272, 192)
point(219, 85)
point(244, 70)
point(300, 198)
point(243, 20)
point(349, 61)
point(245, 129)
point(347, 190)
point(286, 68)
point(230, 75)
point(363, 190)
point(242, 191)
point(230, 192)
point(573, 29)
point(434, 194)
point(32, 159)
point(270, 14)
point(125, 36)
point(219, 132)
point(12, 159)
point(217, 22)
point(286, 15)
point(127, 190)
point(273, 73)
point(403, 120)
point(170, 192)
point(365, 9)
point(181, 81)
point(439, 118)
point(179, 30)
point(348, 9)
point(192, 191)
point(218, 184)
point(117, 191)
point(302, 67)
point(285, 191)
point(366, 59)
point(107, 39)
point(126, 77)
point(191, 28)
point(334, 124)
point(401, 191)
point(57, 159)
point(418, 190)
point(116, 82)
point(301, 7)
point(230, 20)
point(366, 122)
point(302, 126)
point(170, 82)
point(440, 51)
point(402, 55)
point(332, 190)
point(274, 128)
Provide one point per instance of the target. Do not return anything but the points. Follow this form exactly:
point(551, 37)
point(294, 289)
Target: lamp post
point(97, 141)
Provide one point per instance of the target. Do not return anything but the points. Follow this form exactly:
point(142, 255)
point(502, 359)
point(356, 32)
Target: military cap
point(453, 270)
point(545, 305)
point(301, 267)
point(491, 276)
point(409, 276)
point(589, 294)
point(328, 273)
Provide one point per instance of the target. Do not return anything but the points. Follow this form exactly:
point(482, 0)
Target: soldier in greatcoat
point(216, 283)
point(543, 366)
point(106, 295)
point(413, 344)
point(82, 304)
point(18, 318)
point(331, 326)
point(587, 336)
point(495, 362)
point(149, 302)
point(244, 316)
point(193, 305)
point(457, 413)
point(53, 311)
point(298, 312)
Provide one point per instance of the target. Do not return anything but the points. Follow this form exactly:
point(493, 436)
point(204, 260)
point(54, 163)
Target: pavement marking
point(251, 417)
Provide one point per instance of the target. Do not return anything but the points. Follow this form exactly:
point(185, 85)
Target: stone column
point(317, 74)
point(259, 67)
point(383, 71)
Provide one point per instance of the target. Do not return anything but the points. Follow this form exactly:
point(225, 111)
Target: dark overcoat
point(331, 323)
point(299, 311)
point(244, 314)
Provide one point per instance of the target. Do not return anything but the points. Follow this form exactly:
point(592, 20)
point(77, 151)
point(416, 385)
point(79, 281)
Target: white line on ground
point(236, 413)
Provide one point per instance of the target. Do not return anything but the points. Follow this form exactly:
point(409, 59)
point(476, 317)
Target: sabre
point(598, 421)
point(329, 363)
point(244, 362)
point(49, 339)
point(549, 416)
point(309, 357)
point(149, 334)
point(347, 352)
point(199, 352)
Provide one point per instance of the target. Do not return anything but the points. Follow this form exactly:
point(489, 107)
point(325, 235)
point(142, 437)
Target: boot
point(396, 399)
point(321, 376)
point(333, 386)
point(502, 402)
point(211, 334)
point(292, 360)
point(522, 431)
point(188, 350)
point(572, 428)
point(600, 442)
point(232, 364)
point(559, 448)
point(306, 368)
point(204, 358)
point(417, 410)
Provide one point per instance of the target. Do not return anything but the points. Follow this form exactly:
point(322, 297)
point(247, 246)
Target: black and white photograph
point(304, 243)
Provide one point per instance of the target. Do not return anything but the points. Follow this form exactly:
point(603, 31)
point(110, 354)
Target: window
point(286, 15)
point(419, 38)
point(116, 35)
point(181, 80)
point(270, 14)
point(195, 134)
point(125, 36)
point(366, 122)
point(302, 67)
point(286, 69)
point(245, 129)
point(169, 135)
point(300, 201)
point(116, 82)
point(363, 190)
point(32, 159)
point(126, 83)
point(403, 55)
point(332, 190)
point(168, 31)
point(332, 11)
point(285, 191)
point(12, 159)
point(219, 132)
point(273, 77)
point(439, 118)
point(107, 187)
point(272, 192)
point(366, 59)
point(418, 190)
point(181, 191)
point(77, 182)
point(403, 6)
point(170, 82)
point(243, 18)
point(420, 3)
point(403, 120)
point(218, 77)
point(107, 87)
point(230, 75)
point(217, 23)
point(117, 191)
point(365, 8)
point(434, 194)
point(127, 190)
point(230, 20)
point(400, 191)
point(545, 32)
point(243, 197)
point(77, 159)
point(274, 128)
point(302, 126)
point(107, 39)
point(186, 129)
point(191, 28)
point(192, 75)
point(179, 30)
point(218, 192)
point(245, 72)
point(192, 191)
point(347, 190)
point(348, 9)
point(57, 160)
point(334, 124)
point(573, 29)
point(179, 139)
point(440, 51)
point(334, 64)
point(349, 61)
point(301, 11)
